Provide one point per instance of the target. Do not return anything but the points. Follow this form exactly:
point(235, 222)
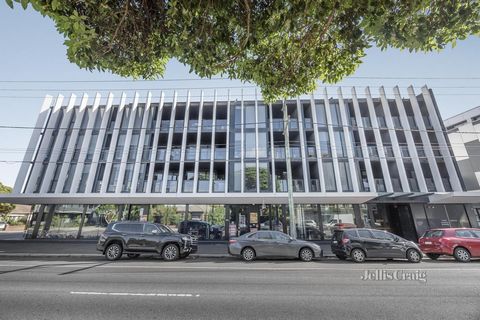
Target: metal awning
point(467, 197)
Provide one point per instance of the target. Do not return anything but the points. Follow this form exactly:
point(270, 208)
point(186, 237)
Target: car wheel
point(461, 254)
point(306, 254)
point(414, 256)
point(133, 255)
point(433, 256)
point(113, 252)
point(341, 257)
point(170, 252)
point(248, 254)
point(358, 255)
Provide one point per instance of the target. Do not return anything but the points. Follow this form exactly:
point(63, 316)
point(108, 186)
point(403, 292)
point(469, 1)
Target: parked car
point(360, 243)
point(3, 226)
point(461, 243)
point(198, 228)
point(277, 244)
point(134, 238)
point(311, 223)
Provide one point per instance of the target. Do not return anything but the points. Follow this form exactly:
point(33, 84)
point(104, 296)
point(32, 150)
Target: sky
point(32, 50)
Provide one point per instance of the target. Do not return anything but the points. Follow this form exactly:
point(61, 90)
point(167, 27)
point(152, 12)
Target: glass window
point(345, 176)
point(320, 111)
point(148, 228)
point(325, 144)
point(265, 176)
point(280, 236)
point(250, 145)
point(250, 177)
point(433, 234)
point(340, 147)
point(476, 233)
point(364, 234)
point(235, 177)
point(264, 235)
point(262, 145)
point(335, 114)
point(249, 117)
point(262, 116)
point(464, 234)
point(329, 176)
point(382, 235)
point(112, 184)
point(457, 216)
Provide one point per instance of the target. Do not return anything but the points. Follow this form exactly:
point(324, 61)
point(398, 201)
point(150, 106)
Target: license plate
point(428, 242)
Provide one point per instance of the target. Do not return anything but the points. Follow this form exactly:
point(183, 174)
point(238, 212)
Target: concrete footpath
point(87, 248)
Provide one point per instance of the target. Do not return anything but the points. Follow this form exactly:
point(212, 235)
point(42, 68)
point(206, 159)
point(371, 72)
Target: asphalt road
point(231, 289)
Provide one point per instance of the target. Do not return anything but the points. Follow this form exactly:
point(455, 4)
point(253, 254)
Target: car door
point(467, 239)
point(282, 245)
point(150, 237)
point(132, 235)
point(431, 241)
point(476, 243)
point(387, 247)
point(263, 244)
point(372, 246)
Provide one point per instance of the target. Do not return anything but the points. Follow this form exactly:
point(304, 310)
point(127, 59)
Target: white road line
point(91, 293)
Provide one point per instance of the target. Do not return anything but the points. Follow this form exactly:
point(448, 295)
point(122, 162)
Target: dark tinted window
point(127, 227)
point(433, 234)
point(149, 228)
point(351, 233)
point(382, 235)
point(364, 234)
point(464, 234)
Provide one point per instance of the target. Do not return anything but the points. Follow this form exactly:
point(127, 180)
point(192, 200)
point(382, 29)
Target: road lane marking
point(93, 293)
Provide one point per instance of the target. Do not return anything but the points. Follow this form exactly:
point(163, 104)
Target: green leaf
point(9, 3)
point(24, 3)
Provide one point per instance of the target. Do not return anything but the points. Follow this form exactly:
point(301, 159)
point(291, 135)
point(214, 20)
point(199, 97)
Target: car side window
point(280, 236)
point(464, 234)
point(120, 227)
point(476, 233)
point(364, 234)
point(148, 228)
point(264, 236)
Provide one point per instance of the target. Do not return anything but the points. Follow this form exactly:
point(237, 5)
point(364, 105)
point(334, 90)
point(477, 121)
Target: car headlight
point(185, 238)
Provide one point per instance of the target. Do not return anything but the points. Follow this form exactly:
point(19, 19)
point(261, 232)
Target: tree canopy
point(284, 47)
point(5, 208)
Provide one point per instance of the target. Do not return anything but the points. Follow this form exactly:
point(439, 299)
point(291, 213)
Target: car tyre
point(170, 252)
point(133, 255)
point(306, 254)
point(358, 255)
point(414, 256)
point(341, 257)
point(461, 254)
point(433, 256)
point(248, 254)
point(113, 252)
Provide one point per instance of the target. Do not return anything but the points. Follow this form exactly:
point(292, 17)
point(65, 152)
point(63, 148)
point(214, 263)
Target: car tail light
point(345, 240)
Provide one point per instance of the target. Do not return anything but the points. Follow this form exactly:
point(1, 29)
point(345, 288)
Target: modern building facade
point(370, 161)
point(464, 134)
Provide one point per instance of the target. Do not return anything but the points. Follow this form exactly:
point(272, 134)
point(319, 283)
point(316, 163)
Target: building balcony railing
point(179, 125)
point(447, 185)
point(222, 125)
point(172, 186)
point(397, 124)
point(298, 185)
point(205, 153)
point(430, 184)
point(175, 154)
point(412, 123)
point(365, 185)
point(187, 186)
point(421, 152)
point(157, 186)
point(389, 151)
point(146, 154)
point(165, 125)
point(207, 125)
point(396, 184)
point(295, 153)
point(372, 151)
point(315, 185)
point(380, 185)
point(311, 153)
point(358, 151)
point(279, 153)
point(218, 185)
point(190, 153)
point(141, 186)
point(277, 124)
point(404, 151)
point(161, 154)
point(366, 122)
point(203, 186)
point(220, 153)
point(293, 124)
point(307, 123)
point(192, 125)
point(353, 121)
point(381, 122)
point(412, 182)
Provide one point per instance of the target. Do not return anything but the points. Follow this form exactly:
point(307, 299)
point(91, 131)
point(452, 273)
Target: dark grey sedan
point(272, 244)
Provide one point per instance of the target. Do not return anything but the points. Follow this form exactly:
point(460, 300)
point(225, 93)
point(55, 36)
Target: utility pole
point(291, 208)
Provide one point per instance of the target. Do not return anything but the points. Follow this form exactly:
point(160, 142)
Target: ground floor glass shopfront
point(220, 222)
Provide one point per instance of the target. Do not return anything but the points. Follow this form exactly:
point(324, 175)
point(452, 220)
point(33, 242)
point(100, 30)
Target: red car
point(462, 243)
